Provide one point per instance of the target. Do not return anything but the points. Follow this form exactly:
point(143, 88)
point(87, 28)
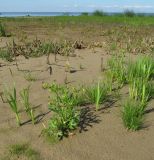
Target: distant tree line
point(127, 13)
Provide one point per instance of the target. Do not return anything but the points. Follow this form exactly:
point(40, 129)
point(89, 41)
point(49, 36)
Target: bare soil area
point(101, 135)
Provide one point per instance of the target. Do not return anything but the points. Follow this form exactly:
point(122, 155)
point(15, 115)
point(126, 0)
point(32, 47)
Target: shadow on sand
point(88, 118)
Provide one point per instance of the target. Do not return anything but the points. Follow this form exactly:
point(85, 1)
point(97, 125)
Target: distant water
point(22, 14)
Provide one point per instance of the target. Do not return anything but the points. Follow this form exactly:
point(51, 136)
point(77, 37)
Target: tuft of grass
point(140, 76)
point(141, 90)
point(25, 100)
point(12, 101)
point(117, 69)
point(6, 55)
point(140, 80)
point(2, 31)
point(19, 151)
point(142, 68)
point(132, 115)
point(97, 94)
point(29, 77)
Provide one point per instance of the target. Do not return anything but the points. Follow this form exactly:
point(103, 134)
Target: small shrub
point(129, 13)
point(98, 13)
point(132, 115)
point(84, 14)
point(65, 120)
point(73, 96)
point(66, 115)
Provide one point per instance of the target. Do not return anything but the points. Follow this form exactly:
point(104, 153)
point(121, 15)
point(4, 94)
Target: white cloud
point(138, 6)
point(121, 6)
point(111, 6)
point(76, 5)
point(66, 6)
point(92, 6)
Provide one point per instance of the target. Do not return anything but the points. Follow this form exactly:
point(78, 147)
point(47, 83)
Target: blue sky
point(76, 5)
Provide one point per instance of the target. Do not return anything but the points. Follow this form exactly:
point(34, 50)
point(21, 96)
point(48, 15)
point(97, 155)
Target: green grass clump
point(140, 79)
point(6, 55)
point(30, 77)
point(12, 101)
point(117, 70)
point(132, 115)
point(21, 151)
point(141, 90)
point(25, 100)
point(143, 68)
point(2, 31)
point(97, 94)
point(140, 76)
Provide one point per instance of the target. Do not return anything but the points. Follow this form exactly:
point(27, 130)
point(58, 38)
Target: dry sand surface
point(101, 135)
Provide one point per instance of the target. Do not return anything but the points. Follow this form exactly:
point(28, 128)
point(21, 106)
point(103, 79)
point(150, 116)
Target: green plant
point(29, 77)
point(12, 100)
point(66, 115)
point(141, 90)
point(72, 95)
point(84, 14)
point(6, 55)
point(25, 100)
point(109, 80)
point(117, 69)
point(97, 94)
point(142, 68)
point(98, 13)
point(140, 76)
point(79, 96)
point(2, 31)
point(23, 150)
point(129, 13)
point(65, 120)
point(132, 114)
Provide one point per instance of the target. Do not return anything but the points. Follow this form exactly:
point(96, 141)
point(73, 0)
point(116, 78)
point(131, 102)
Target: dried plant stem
point(102, 65)
point(66, 78)
point(48, 59)
point(55, 57)
point(1, 95)
point(50, 70)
